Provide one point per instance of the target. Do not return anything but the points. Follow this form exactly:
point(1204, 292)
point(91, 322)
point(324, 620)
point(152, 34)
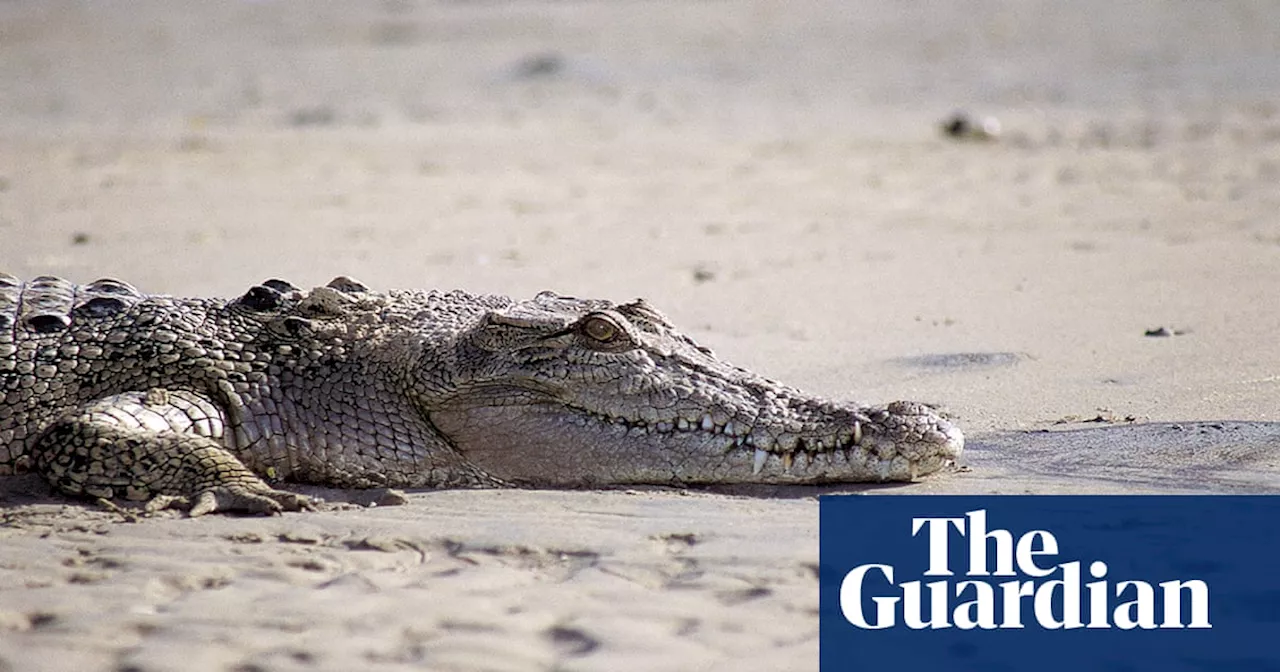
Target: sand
point(769, 174)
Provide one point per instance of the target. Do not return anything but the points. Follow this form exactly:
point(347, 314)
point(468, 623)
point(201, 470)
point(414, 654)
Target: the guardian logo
point(1051, 583)
point(1012, 582)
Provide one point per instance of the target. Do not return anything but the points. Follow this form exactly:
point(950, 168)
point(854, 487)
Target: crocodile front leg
point(157, 445)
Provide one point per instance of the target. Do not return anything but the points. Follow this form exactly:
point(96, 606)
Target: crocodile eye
point(600, 328)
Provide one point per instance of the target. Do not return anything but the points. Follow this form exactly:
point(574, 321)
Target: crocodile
point(207, 404)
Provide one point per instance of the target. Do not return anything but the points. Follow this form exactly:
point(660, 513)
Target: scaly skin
point(111, 393)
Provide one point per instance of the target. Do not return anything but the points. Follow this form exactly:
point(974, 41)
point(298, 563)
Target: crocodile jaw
point(553, 445)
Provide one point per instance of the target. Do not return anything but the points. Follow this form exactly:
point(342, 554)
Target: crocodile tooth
point(787, 460)
point(913, 471)
point(729, 428)
point(682, 424)
point(707, 424)
point(761, 456)
point(857, 433)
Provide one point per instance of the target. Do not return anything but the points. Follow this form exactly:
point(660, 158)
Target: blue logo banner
point(1046, 583)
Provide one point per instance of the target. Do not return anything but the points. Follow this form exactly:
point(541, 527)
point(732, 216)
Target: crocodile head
point(565, 392)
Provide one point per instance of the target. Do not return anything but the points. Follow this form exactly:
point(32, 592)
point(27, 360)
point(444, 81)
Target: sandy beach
point(771, 175)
